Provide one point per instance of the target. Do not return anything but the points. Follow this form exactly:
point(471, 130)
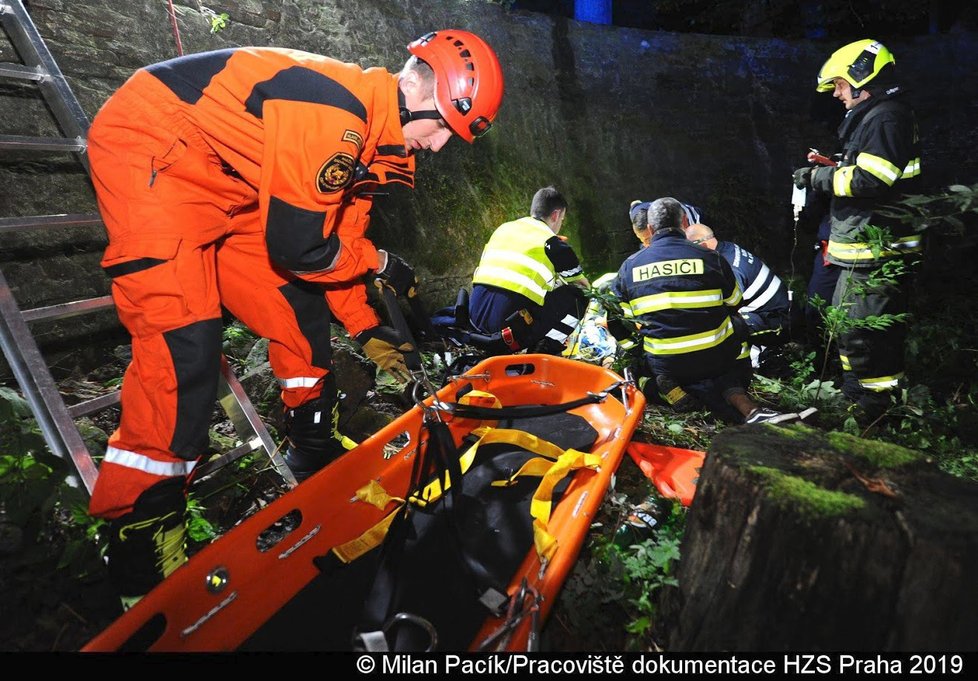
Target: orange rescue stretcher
point(384, 550)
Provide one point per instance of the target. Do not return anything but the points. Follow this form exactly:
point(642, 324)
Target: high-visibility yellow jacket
point(525, 256)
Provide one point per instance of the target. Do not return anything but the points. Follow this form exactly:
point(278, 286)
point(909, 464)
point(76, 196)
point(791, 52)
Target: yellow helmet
point(857, 62)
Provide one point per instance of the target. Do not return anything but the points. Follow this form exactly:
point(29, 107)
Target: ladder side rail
point(57, 93)
point(247, 424)
point(45, 399)
point(41, 392)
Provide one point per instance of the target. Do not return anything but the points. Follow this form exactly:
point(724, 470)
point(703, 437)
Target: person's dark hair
point(546, 201)
point(666, 213)
point(639, 215)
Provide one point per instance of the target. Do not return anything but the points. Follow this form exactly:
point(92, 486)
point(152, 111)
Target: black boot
point(313, 438)
point(147, 544)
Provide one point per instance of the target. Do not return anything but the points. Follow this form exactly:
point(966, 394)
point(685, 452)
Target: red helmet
point(468, 79)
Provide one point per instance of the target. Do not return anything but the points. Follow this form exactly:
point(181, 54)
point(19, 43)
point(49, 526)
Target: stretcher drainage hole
point(396, 444)
point(279, 530)
point(520, 369)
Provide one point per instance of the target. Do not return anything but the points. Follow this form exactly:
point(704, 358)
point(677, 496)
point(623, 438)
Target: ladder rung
point(9, 70)
point(226, 458)
point(63, 310)
point(42, 221)
point(95, 404)
point(17, 142)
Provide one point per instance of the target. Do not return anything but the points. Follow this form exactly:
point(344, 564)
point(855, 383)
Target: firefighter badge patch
point(336, 173)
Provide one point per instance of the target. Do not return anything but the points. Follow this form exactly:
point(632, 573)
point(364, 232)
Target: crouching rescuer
point(243, 179)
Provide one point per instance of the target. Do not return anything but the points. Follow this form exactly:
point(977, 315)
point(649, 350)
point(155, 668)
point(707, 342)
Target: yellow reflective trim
point(881, 383)
point(878, 167)
point(845, 363)
point(744, 351)
point(674, 395)
point(912, 169)
point(690, 343)
point(852, 252)
point(733, 300)
point(842, 181)
point(676, 300)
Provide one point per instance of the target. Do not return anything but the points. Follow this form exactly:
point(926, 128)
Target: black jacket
point(683, 297)
point(880, 162)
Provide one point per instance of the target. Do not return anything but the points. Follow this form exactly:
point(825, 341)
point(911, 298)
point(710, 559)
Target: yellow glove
point(385, 348)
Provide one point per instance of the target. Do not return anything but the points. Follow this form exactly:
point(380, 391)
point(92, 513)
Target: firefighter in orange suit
point(243, 178)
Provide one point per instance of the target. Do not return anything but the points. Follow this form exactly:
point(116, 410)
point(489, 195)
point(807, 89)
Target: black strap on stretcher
point(438, 456)
point(518, 412)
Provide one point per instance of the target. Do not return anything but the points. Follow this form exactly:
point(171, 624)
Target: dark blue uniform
point(683, 297)
point(766, 305)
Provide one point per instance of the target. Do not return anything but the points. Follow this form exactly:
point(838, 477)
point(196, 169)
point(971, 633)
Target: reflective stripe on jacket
point(515, 258)
point(682, 296)
point(880, 162)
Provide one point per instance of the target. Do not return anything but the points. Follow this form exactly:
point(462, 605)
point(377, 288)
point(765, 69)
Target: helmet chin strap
point(427, 114)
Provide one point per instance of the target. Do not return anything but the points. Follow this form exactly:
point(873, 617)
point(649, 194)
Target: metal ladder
point(54, 417)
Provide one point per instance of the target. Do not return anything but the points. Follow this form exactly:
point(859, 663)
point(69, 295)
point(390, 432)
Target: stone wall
point(607, 114)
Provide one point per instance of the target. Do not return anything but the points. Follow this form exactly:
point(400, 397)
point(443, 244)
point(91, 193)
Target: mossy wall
point(606, 114)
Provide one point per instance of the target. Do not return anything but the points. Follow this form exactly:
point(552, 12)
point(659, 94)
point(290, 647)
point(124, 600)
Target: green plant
point(199, 528)
point(54, 530)
point(218, 22)
point(237, 342)
point(942, 211)
point(644, 568)
point(800, 389)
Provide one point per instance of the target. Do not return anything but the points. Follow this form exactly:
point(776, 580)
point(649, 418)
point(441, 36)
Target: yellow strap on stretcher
point(374, 494)
point(373, 537)
point(487, 436)
point(552, 473)
point(553, 464)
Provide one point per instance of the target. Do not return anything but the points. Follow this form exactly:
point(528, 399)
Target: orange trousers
point(185, 240)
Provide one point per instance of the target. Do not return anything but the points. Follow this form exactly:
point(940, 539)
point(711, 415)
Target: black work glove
point(385, 348)
point(399, 276)
point(803, 177)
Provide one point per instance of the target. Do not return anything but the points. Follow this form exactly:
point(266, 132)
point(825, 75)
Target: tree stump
point(798, 540)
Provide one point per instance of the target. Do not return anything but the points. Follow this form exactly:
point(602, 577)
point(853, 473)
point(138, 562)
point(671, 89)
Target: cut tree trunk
point(799, 540)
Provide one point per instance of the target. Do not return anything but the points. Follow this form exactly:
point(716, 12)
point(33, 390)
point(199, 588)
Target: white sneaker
point(761, 415)
point(806, 413)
